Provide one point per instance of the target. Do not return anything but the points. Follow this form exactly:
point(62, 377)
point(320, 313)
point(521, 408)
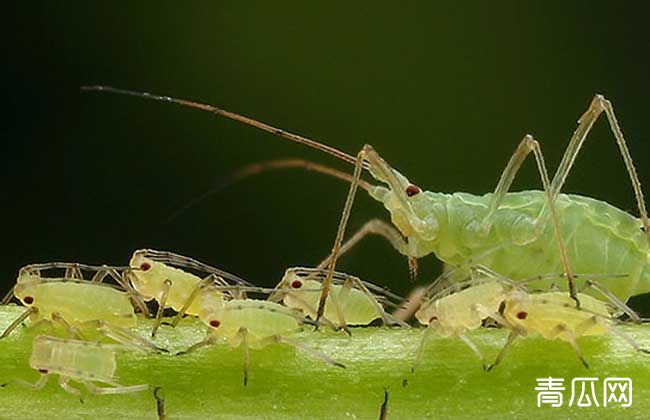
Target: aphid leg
point(618, 303)
point(585, 123)
point(73, 272)
point(376, 227)
point(420, 351)
point(7, 298)
point(126, 285)
point(410, 305)
point(74, 331)
point(208, 341)
point(631, 341)
point(340, 233)
point(306, 349)
point(511, 337)
point(126, 337)
point(570, 337)
point(167, 284)
point(18, 321)
point(195, 293)
point(42, 380)
point(160, 403)
point(99, 276)
point(475, 349)
point(527, 145)
point(386, 318)
point(243, 333)
point(99, 390)
point(65, 385)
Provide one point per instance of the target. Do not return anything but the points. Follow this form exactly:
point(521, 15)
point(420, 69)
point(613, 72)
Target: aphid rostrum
point(591, 235)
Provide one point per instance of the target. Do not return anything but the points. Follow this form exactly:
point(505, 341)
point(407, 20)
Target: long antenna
point(232, 116)
point(260, 167)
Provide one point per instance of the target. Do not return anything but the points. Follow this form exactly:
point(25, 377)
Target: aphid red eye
point(215, 323)
point(522, 315)
point(296, 284)
point(433, 318)
point(43, 370)
point(412, 190)
point(28, 300)
point(145, 266)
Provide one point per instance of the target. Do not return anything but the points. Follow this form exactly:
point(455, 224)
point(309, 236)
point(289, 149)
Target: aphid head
point(428, 313)
point(145, 274)
point(409, 208)
point(26, 292)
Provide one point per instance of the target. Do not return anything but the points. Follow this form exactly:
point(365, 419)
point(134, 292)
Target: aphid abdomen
point(260, 319)
point(357, 308)
point(77, 359)
point(600, 239)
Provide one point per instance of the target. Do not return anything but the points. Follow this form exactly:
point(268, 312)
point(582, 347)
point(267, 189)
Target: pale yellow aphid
point(251, 323)
point(71, 298)
point(81, 361)
point(350, 302)
point(553, 315)
point(454, 312)
point(162, 276)
point(77, 304)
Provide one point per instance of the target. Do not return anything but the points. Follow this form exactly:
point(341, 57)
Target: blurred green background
point(443, 90)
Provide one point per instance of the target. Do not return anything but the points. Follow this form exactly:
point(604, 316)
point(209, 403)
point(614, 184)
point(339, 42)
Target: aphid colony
point(98, 318)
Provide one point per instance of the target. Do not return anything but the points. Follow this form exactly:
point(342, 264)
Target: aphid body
point(350, 301)
point(462, 311)
point(76, 301)
point(82, 361)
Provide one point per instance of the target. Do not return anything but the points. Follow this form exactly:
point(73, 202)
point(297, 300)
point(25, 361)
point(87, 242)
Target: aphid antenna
point(232, 116)
point(255, 169)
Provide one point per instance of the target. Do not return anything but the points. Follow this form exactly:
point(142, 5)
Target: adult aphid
point(599, 237)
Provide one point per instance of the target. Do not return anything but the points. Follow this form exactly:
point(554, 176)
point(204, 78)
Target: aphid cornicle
point(250, 323)
point(76, 304)
point(591, 236)
point(162, 276)
point(81, 361)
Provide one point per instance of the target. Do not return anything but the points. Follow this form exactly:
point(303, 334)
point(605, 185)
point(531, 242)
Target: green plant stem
point(286, 383)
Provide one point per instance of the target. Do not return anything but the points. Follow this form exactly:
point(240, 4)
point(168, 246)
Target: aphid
point(553, 316)
point(251, 323)
point(81, 361)
point(350, 302)
point(456, 310)
point(455, 227)
point(161, 275)
point(465, 306)
point(75, 303)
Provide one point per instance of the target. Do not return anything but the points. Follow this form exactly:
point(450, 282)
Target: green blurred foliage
point(443, 90)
